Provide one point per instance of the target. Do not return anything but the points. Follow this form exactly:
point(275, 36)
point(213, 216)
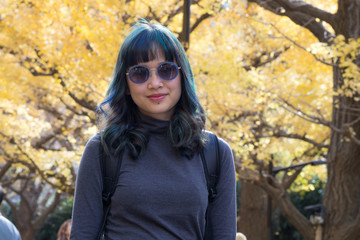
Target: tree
point(276, 111)
point(269, 103)
point(55, 220)
point(342, 197)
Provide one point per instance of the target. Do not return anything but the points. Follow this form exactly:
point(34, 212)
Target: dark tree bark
point(29, 215)
point(342, 195)
point(253, 213)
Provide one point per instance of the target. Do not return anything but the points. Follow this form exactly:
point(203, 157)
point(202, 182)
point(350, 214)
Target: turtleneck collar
point(153, 125)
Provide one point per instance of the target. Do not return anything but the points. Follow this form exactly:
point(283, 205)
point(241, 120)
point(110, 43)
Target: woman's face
point(156, 97)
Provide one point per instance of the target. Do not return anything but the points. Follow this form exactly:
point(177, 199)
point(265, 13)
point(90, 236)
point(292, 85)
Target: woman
point(155, 123)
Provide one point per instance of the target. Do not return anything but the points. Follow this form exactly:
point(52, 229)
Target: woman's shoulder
point(223, 145)
point(92, 146)
point(91, 152)
point(94, 140)
point(223, 151)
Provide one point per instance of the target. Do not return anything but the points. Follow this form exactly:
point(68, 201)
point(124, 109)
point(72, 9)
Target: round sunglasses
point(140, 73)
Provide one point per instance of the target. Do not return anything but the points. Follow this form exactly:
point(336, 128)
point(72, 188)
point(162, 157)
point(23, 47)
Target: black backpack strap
point(110, 168)
point(211, 163)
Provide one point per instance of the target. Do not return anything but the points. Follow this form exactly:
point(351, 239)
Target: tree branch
point(90, 105)
point(80, 113)
point(174, 12)
point(279, 133)
point(288, 180)
point(295, 43)
point(298, 112)
point(302, 14)
point(292, 214)
point(40, 220)
point(256, 62)
point(199, 20)
point(49, 72)
point(309, 9)
point(350, 131)
point(5, 167)
point(34, 166)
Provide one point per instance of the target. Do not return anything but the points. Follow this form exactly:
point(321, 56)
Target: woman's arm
point(88, 208)
point(222, 211)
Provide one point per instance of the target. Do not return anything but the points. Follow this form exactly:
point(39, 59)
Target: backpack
point(111, 170)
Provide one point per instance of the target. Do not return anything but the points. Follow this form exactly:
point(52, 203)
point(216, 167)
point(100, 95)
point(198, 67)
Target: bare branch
point(288, 180)
point(40, 220)
point(174, 12)
point(278, 133)
point(4, 168)
point(275, 190)
point(200, 20)
point(302, 14)
point(244, 114)
point(309, 9)
point(32, 161)
point(90, 105)
point(256, 62)
point(346, 129)
point(298, 112)
point(294, 42)
point(301, 47)
point(350, 132)
point(80, 113)
point(49, 71)
point(245, 173)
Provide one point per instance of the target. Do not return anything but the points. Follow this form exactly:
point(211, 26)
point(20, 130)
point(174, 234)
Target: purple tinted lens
point(139, 74)
point(168, 71)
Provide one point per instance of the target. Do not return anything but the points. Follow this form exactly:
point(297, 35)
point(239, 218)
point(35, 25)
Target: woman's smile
point(157, 97)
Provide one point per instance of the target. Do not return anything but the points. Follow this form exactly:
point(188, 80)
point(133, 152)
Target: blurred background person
point(8, 230)
point(64, 230)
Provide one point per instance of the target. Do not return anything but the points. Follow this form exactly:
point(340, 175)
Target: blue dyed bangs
point(145, 44)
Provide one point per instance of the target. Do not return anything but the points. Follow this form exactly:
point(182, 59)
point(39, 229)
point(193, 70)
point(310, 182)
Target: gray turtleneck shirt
point(161, 195)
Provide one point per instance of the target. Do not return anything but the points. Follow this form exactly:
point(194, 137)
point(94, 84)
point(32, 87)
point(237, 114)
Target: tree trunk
point(342, 193)
point(28, 234)
point(23, 217)
point(31, 213)
point(253, 212)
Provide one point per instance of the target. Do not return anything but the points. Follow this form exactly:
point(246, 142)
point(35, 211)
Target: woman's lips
point(157, 97)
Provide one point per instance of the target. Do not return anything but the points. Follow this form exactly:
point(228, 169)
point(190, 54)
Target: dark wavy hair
point(119, 128)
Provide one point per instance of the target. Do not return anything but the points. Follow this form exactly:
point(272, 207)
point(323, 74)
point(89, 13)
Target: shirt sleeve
point(88, 208)
point(222, 210)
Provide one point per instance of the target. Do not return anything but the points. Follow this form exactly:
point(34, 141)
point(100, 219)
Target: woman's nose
point(154, 80)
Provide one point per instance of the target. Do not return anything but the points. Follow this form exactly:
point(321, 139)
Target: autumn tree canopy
point(272, 76)
point(298, 108)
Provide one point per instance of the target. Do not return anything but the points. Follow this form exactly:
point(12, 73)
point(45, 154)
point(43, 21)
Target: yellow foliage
point(245, 69)
point(231, 92)
point(57, 58)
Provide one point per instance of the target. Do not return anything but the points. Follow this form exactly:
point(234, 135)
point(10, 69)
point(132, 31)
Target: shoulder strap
point(110, 168)
point(211, 164)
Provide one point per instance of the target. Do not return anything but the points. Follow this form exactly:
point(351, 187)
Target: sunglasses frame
point(157, 71)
